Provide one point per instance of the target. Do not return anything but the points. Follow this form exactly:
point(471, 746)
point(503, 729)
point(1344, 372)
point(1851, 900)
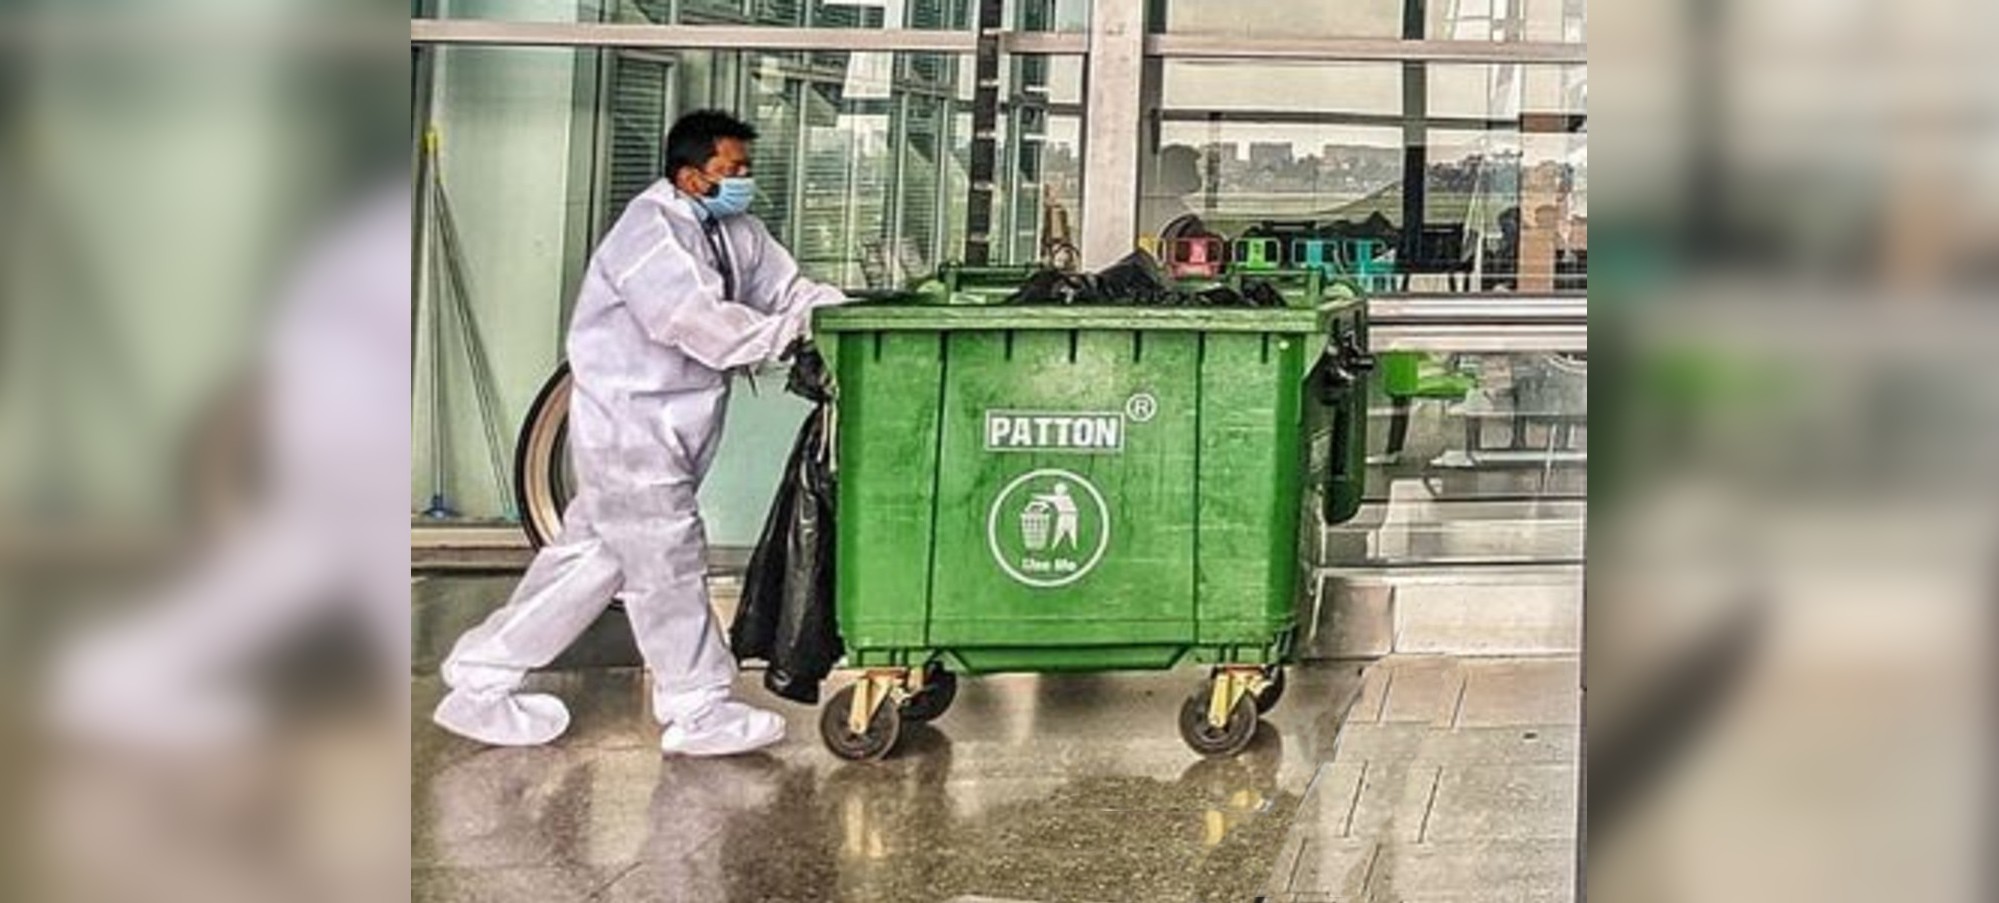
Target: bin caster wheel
point(1211, 741)
point(883, 729)
point(1267, 700)
point(940, 687)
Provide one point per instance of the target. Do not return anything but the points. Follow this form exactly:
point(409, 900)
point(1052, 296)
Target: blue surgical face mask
point(732, 196)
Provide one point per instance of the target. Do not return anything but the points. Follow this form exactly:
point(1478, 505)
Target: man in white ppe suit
point(685, 288)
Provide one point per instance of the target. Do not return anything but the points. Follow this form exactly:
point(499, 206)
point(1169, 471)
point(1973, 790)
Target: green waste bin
point(1038, 489)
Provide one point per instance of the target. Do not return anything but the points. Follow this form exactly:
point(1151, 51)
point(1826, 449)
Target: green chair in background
point(1410, 375)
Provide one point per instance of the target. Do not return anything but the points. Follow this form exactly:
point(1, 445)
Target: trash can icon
point(1034, 522)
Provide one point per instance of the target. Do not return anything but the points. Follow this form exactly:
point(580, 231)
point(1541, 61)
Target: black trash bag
point(1253, 293)
point(787, 615)
point(1050, 286)
point(1220, 296)
point(753, 634)
point(1137, 280)
point(1259, 293)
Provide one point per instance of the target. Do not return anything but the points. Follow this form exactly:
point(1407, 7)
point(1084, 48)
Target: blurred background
point(1789, 643)
point(205, 347)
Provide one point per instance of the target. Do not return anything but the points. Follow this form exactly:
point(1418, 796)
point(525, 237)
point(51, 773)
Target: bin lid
point(966, 286)
point(877, 316)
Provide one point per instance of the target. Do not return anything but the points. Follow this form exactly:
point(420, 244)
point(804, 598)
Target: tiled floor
point(1455, 779)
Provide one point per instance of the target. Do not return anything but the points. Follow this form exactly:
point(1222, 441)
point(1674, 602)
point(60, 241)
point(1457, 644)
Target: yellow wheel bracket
point(1230, 687)
point(874, 689)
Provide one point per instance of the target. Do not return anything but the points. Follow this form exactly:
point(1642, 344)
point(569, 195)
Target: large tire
point(542, 483)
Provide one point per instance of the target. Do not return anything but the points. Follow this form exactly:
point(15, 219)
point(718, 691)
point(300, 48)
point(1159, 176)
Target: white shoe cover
point(505, 719)
point(724, 728)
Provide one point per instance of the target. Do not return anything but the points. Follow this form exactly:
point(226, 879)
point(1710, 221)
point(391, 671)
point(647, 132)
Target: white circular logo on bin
point(1048, 528)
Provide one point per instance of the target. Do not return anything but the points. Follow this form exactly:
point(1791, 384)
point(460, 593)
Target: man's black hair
point(691, 141)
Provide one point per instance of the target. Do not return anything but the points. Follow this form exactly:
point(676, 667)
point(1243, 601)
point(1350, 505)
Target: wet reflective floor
point(1030, 788)
point(1419, 778)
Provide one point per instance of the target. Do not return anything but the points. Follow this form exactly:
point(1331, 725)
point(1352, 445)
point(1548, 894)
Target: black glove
point(809, 379)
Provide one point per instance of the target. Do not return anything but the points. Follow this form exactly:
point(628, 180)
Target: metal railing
point(1479, 323)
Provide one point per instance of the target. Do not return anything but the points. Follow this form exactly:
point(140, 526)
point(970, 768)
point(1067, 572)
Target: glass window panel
point(777, 12)
point(1211, 85)
point(1279, 18)
point(863, 160)
point(515, 10)
point(862, 172)
point(1505, 91)
point(958, 180)
point(1046, 15)
point(1323, 163)
point(1234, 175)
point(922, 148)
point(1040, 160)
point(636, 104)
point(937, 72)
point(1065, 79)
point(638, 11)
point(1061, 175)
point(1519, 204)
point(523, 132)
point(1481, 425)
point(1559, 21)
point(939, 15)
point(845, 212)
point(1472, 195)
point(695, 12)
point(773, 107)
point(824, 14)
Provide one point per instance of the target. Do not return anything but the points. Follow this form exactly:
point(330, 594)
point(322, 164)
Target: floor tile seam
point(1346, 711)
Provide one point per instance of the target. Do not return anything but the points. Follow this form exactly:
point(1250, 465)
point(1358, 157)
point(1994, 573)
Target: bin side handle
point(1340, 375)
point(1336, 465)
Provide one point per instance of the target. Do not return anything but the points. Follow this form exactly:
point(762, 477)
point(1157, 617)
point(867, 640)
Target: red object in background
point(1194, 257)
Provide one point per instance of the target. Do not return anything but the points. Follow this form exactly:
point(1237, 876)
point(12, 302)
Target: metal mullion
point(1415, 141)
point(798, 159)
point(1474, 338)
point(850, 209)
point(1007, 183)
point(1036, 43)
point(1364, 50)
point(1485, 308)
point(1328, 117)
point(983, 183)
point(423, 106)
point(684, 37)
point(897, 191)
point(1481, 323)
point(940, 215)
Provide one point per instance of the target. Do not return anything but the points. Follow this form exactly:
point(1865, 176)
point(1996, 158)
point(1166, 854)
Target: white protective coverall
point(655, 334)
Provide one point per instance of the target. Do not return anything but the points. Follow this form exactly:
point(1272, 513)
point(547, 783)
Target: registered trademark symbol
point(1142, 407)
